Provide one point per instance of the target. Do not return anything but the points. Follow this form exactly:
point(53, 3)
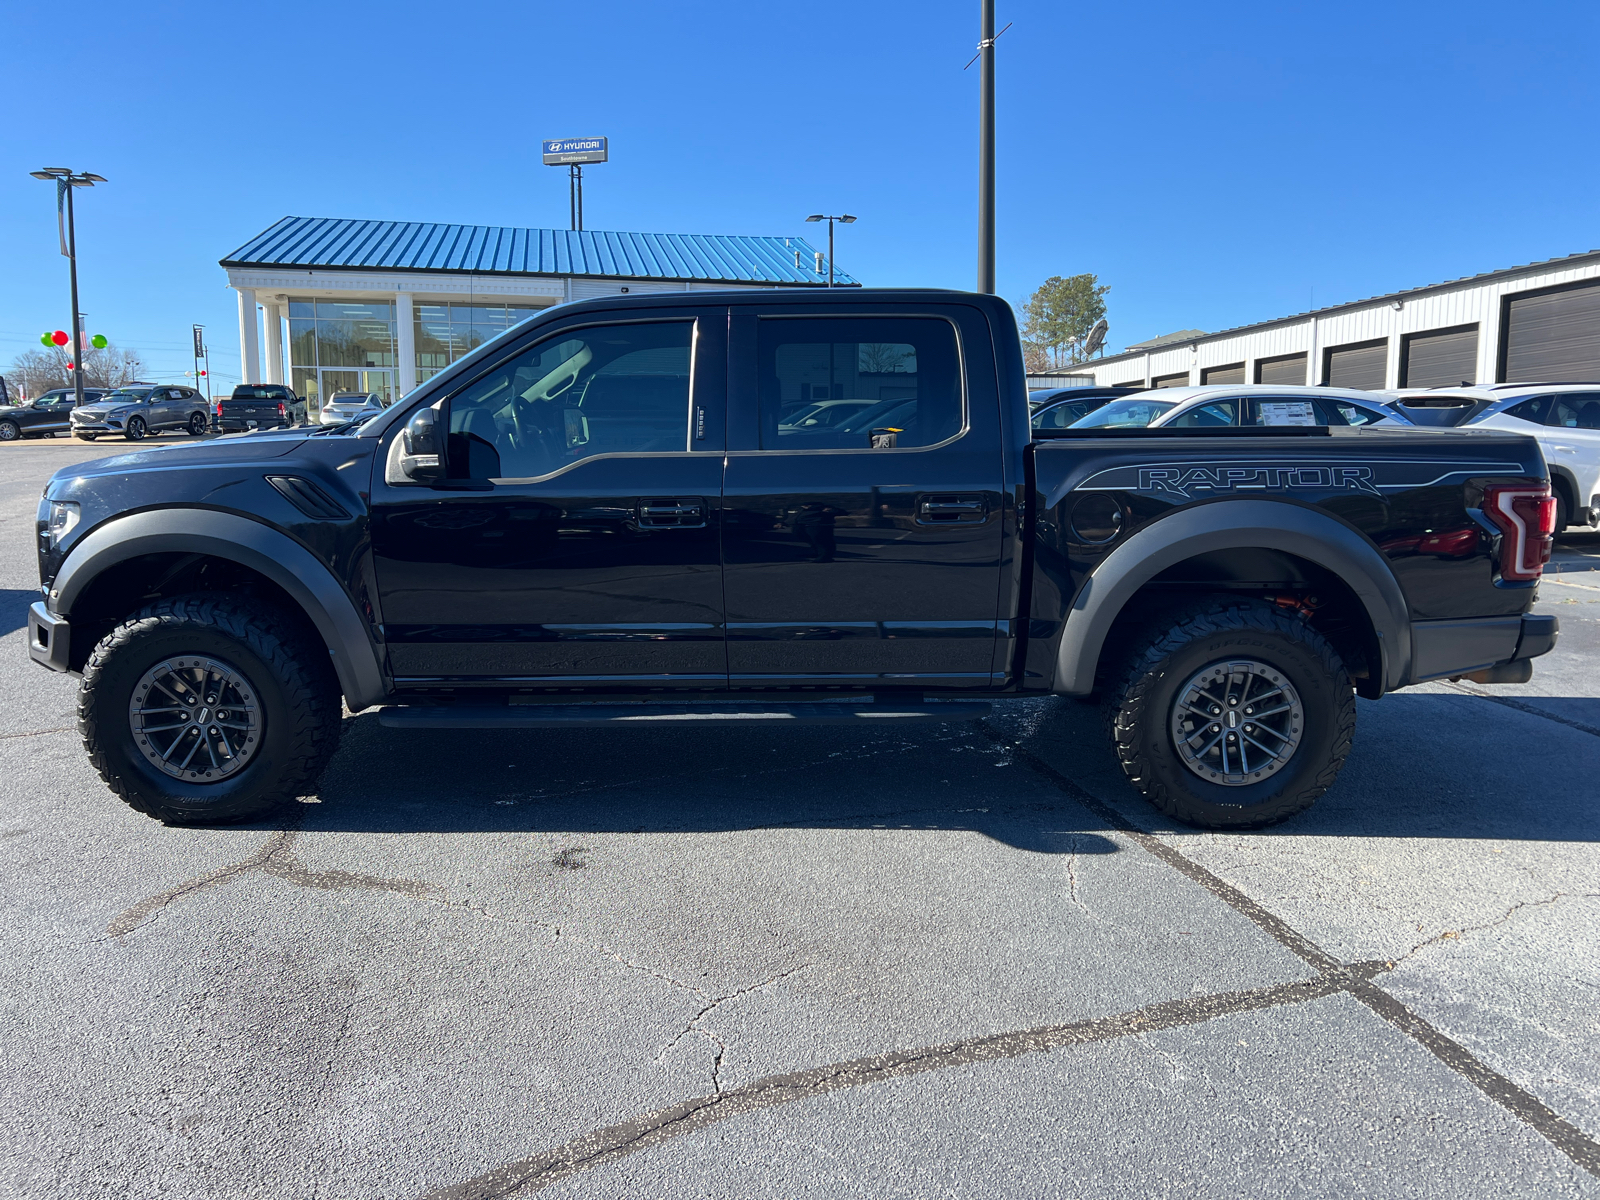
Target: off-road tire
point(197, 425)
point(1142, 694)
point(10, 431)
point(286, 665)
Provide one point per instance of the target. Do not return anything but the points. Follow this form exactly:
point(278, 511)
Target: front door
point(866, 553)
point(583, 546)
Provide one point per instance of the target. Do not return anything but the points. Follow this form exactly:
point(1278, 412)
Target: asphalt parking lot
point(946, 960)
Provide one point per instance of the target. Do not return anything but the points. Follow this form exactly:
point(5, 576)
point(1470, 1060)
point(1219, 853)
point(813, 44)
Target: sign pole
point(572, 153)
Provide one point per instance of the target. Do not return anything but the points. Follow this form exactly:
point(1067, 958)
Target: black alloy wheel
point(10, 431)
point(209, 707)
point(1232, 715)
point(135, 430)
point(198, 425)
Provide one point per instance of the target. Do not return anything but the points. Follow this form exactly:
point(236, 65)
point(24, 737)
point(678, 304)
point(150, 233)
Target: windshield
point(1125, 414)
point(128, 395)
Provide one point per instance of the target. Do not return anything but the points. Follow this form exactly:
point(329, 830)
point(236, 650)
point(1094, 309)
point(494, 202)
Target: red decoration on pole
point(60, 338)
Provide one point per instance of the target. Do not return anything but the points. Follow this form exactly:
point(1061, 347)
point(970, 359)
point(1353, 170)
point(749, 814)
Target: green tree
point(1057, 319)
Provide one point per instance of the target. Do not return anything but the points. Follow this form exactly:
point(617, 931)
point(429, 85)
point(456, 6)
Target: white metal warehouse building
point(1536, 323)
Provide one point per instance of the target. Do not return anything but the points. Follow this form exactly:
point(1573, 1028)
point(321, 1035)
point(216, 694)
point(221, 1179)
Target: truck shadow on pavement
point(14, 604)
point(1423, 766)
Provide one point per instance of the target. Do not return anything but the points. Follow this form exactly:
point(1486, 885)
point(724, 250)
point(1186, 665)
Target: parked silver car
point(350, 406)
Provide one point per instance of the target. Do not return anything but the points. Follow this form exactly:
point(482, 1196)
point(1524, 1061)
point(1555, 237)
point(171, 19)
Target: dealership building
point(331, 305)
point(1536, 323)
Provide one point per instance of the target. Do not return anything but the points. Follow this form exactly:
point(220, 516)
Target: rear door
point(581, 548)
point(1573, 440)
point(866, 554)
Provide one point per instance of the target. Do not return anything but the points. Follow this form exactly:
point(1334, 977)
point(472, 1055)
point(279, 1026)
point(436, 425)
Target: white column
point(274, 324)
point(1313, 355)
point(249, 338)
point(405, 343)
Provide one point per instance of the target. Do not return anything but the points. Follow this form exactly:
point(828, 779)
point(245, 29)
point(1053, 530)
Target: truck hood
point(248, 447)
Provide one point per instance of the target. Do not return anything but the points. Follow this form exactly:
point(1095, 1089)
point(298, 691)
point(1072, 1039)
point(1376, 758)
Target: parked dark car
point(600, 519)
point(141, 409)
point(45, 416)
point(259, 406)
point(1056, 408)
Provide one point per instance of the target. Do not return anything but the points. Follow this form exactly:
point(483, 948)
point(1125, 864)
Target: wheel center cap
point(1233, 718)
point(204, 715)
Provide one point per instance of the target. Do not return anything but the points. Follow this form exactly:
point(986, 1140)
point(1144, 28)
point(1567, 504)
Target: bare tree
point(34, 372)
point(884, 358)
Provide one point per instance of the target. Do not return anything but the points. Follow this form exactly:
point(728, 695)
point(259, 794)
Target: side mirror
point(422, 444)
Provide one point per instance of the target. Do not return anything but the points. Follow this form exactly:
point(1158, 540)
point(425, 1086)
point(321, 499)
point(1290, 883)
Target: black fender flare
point(1233, 525)
point(263, 549)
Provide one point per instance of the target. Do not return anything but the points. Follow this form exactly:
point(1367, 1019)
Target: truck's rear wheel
point(1232, 716)
point(208, 707)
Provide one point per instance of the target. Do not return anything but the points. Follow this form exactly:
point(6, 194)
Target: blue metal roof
point(502, 250)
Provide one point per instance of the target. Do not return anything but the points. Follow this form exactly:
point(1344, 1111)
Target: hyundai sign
point(561, 151)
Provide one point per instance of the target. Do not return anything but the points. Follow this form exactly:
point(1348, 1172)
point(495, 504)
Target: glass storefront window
point(328, 339)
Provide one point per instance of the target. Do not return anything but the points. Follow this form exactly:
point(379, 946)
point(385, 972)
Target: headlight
point(63, 519)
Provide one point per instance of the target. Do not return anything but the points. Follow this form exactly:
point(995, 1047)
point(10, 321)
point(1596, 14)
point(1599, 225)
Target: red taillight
point(1526, 517)
point(219, 408)
point(280, 408)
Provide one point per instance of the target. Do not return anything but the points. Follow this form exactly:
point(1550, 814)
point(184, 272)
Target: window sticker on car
point(1287, 412)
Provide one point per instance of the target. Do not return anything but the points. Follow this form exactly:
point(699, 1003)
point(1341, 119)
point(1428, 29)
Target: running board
point(611, 716)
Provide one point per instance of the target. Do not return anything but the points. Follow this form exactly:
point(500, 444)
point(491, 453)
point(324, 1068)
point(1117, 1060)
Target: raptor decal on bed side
point(1187, 480)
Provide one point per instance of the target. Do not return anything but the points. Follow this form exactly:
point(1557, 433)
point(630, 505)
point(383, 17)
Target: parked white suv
point(1564, 417)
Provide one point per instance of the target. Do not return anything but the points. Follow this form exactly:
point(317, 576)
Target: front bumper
point(49, 638)
point(109, 425)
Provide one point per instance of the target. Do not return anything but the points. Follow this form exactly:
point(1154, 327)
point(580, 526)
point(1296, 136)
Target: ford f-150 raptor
point(605, 517)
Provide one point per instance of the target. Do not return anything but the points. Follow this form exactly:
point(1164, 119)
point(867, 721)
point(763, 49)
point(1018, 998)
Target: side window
point(604, 389)
point(899, 376)
point(1356, 414)
point(1535, 410)
point(1205, 416)
point(1059, 416)
point(1293, 410)
point(1576, 411)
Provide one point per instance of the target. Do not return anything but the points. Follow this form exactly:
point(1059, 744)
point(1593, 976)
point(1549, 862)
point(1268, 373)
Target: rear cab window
point(901, 376)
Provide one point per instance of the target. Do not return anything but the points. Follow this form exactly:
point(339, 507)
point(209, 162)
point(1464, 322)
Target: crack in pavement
point(1453, 934)
point(1533, 710)
point(273, 858)
point(715, 1003)
point(37, 732)
point(688, 1116)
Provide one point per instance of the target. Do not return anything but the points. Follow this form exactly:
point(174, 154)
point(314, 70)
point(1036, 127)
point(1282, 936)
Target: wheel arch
point(206, 533)
point(1234, 525)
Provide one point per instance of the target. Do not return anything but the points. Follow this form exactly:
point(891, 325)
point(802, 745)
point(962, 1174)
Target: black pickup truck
point(607, 517)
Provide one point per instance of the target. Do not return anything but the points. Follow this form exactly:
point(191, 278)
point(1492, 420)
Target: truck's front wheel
point(208, 707)
point(1232, 716)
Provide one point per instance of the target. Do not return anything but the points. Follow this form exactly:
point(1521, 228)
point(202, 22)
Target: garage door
point(1359, 365)
point(1552, 337)
point(1171, 380)
point(1440, 357)
point(1230, 374)
point(1290, 369)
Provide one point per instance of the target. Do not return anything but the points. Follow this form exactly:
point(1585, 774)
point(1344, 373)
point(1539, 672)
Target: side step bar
point(617, 716)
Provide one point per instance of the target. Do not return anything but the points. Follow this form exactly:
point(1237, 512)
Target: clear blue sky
point(1213, 163)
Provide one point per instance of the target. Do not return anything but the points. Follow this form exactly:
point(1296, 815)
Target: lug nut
point(1216, 729)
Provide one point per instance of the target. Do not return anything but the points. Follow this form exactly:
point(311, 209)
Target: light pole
point(847, 219)
point(986, 151)
point(66, 180)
